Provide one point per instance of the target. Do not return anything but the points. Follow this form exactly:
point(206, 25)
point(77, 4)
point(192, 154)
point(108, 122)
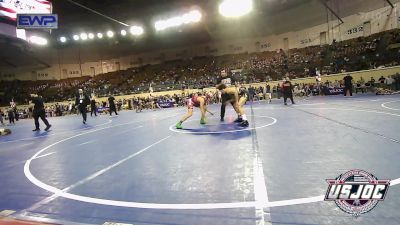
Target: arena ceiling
point(74, 19)
point(269, 17)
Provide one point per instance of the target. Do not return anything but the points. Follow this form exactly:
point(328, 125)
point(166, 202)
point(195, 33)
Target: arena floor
point(137, 169)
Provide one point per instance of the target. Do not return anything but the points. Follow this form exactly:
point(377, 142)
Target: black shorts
point(227, 97)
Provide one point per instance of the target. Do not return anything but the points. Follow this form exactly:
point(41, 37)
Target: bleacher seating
point(350, 55)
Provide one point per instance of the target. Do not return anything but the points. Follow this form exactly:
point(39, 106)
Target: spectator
point(1, 117)
point(381, 81)
point(370, 84)
point(348, 85)
point(30, 112)
point(11, 116)
point(397, 81)
point(111, 105)
point(359, 86)
point(287, 90)
point(268, 95)
point(251, 93)
point(93, 107)
point(389, 82)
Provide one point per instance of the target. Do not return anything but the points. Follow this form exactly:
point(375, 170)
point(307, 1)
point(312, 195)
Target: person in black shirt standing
point(38, 111)
point(278, 91)
point(111, 105)
point(82, 100)
point(252, 93)
point(287, 90)
point(93, 108)
point(11, 116)
point(396, 78)
point(1, 118)
point(348, 85)
point(227, 80)
point(16, 113)
point(381, 81)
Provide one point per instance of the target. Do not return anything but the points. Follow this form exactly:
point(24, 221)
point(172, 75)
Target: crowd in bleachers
point(350, 55)
point(384, 85)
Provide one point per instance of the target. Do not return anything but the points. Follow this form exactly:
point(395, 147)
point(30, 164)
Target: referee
point(111, 105)
point(348, 85)
point(93, 107)
point(228, 80)
point(287, 90)
point(82, 100)
point(38, 111)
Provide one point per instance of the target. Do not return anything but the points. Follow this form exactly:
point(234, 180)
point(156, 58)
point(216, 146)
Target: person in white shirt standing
point(82, 100)
point(268, 95)
point(318, 80)
point(389, 82)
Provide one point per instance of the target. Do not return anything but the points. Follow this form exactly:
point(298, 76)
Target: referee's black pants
point(42, 115)
point(113, 109)
point(287, 95)
point(224, 99)
point(348, 88)
point(93, 110)
point(11, 119)
point(83, 111)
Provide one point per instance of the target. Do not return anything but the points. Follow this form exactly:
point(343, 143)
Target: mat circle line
point(230, 205)
point(387, 107)
point(274, 120)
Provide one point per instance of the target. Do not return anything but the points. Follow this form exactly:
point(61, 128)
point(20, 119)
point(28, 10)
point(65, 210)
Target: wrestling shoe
point(238, 120)
point(245, 123)
point(178, 125)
